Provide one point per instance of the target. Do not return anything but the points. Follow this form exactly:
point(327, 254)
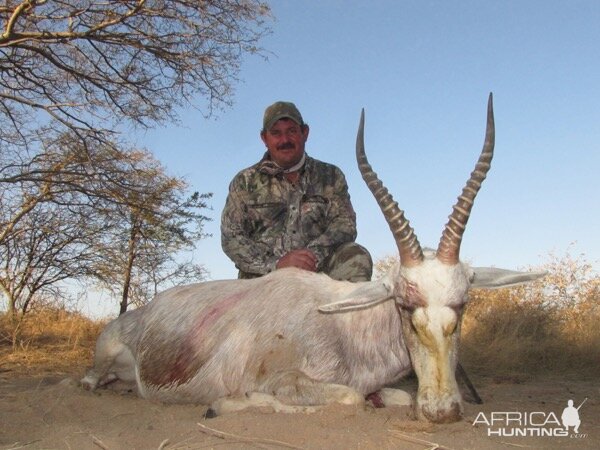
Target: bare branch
point(97, 63)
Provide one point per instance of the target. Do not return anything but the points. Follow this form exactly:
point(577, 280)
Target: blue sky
point(423, 70)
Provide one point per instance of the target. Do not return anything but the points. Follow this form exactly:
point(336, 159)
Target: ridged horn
point(408, 246)
point(449, 247)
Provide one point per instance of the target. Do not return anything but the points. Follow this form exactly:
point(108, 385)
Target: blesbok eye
point(409, 308)
point(458, 309)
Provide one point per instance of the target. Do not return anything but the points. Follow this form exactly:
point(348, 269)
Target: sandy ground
point(55, 413)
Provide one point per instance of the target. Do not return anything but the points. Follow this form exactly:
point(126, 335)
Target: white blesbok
point(295, 339)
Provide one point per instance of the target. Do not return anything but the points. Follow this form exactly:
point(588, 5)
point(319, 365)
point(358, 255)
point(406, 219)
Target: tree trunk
point(11, 302)
point(129, 268)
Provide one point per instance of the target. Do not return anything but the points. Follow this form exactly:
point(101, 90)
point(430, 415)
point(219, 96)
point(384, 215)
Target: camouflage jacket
point(266, 216)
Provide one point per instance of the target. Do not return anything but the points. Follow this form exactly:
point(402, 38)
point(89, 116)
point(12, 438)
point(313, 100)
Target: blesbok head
point(430, 288)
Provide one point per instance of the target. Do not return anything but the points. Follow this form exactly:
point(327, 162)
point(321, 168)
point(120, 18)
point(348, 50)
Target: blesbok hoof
point(210, 414)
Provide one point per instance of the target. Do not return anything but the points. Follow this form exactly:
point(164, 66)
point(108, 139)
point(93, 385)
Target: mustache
point(286, 146)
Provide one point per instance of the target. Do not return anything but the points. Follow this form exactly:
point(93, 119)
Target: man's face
point(285, 142)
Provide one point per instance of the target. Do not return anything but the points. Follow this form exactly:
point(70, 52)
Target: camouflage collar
point(269, 167)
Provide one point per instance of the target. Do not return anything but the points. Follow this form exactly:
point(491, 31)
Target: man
point(570, 417)
point(290, 210)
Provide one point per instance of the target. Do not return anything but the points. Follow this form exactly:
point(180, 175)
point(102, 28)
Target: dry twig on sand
point(99, 443)
point(223, 435)
point(430, 445)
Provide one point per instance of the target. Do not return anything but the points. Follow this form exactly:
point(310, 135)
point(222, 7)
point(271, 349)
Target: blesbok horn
point(449, 247)
point(408, 245)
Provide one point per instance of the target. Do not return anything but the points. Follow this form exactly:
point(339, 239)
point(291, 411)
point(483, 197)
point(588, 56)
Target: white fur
point(225, 342)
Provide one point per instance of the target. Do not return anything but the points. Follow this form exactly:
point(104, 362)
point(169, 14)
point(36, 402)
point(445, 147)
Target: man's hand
point(301, 258)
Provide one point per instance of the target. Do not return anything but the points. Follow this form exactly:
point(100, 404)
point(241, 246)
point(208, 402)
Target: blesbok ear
point(364, 296)
point(493, 278)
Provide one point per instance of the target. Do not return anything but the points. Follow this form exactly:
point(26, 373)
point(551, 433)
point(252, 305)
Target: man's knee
point(350, 262)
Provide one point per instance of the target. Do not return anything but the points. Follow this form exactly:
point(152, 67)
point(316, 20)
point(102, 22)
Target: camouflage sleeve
point(248, 255)
point(341, 225)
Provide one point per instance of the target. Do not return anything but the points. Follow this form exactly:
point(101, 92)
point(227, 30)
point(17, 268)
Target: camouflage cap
point(281, 110)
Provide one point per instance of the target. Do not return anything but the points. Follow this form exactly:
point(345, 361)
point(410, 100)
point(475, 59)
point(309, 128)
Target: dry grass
point(549, 327)
point(47, 341)
point(501, 337)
